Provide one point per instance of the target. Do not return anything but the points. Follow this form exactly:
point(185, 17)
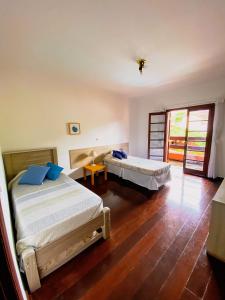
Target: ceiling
point(98, 41)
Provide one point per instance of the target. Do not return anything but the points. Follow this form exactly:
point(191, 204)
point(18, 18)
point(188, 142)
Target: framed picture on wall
point(74, 128)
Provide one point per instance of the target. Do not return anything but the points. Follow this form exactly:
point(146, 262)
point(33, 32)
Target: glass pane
point(157, 144)
point(156, 135)
point(195, 155)
point(178, 123)
point(199, 115)
point(158, 152)
point(194, 165)
point(157, 118)
point(156, 158)
point(196, 146)
point(157, 127)
point(196, 139)
point(198, 135)
point(198, 126)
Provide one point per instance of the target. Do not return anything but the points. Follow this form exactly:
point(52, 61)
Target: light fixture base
point(141, 62)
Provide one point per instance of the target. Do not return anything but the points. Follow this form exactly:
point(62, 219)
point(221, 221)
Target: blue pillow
point(34, 175)
point(123, 153)
point(54, 171)
point(117, 154)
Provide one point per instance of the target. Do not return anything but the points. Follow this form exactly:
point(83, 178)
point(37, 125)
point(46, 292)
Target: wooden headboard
point(81, 157)
point(16, 161)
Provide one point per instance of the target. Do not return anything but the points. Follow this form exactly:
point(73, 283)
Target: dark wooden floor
point(156, 251)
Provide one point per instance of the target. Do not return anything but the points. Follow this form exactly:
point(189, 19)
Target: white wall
point(34, 111)
point(8, 224)
point(168, 97)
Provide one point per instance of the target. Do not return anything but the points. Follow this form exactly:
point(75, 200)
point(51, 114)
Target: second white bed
point(144, 172)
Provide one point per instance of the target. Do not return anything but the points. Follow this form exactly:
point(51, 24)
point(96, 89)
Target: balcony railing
point(195, 149)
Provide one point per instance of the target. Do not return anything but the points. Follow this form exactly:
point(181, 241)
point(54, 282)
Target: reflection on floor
point(157, 246)
point(176, 163)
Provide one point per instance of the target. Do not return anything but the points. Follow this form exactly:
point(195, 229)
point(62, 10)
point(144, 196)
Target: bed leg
point(30, 268)
point(106, 227)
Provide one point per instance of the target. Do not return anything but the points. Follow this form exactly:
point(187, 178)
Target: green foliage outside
point(178, 123)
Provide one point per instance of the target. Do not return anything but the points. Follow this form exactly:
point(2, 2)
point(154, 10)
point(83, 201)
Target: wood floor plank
point(213, 291)
point(148, 281)
point(178, 278)
point(159, 275)
point(188, 295)
point(146, 265)
point(199, 278)
point(216, 285)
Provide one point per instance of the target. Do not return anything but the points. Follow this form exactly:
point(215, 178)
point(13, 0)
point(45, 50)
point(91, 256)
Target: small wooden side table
point(94, 169)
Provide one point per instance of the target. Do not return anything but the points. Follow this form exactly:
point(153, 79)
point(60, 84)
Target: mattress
point(47, 212)
point(141, 165)
point(146, 173)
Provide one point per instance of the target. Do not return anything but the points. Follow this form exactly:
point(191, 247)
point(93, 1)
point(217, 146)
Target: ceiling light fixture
point(141, 62)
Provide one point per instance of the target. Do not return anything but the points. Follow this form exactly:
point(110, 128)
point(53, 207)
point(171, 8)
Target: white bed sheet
point(144, 172)
point(47, 212)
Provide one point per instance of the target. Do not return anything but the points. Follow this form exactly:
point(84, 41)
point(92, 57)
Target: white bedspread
point(47, 212)
point(142, 165)
point(144, 172)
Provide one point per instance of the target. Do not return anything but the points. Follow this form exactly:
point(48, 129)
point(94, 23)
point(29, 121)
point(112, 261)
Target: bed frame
point(40, 262)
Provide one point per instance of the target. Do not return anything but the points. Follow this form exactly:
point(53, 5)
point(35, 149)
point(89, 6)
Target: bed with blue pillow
point(45, 211)
point(148, 173)
point(55, 217)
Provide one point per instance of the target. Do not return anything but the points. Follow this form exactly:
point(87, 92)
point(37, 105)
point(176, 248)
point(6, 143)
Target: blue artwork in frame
point(74, 128)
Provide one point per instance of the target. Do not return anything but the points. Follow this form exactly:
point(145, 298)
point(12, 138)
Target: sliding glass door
point(198, 139)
